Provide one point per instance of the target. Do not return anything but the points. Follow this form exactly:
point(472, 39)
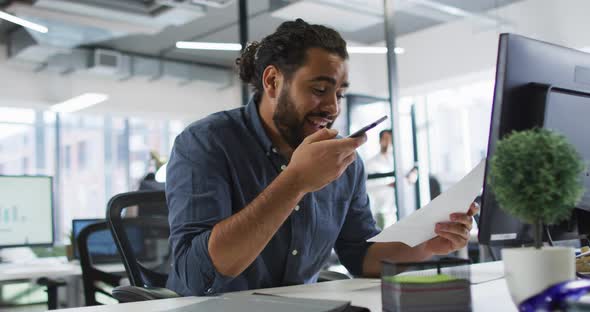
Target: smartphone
point(367, 127)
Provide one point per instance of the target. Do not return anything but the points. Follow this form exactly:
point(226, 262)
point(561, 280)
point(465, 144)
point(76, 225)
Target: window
point(149, 139)
point(25, 165)
point(122, 148)
point(95, 153)
point(457, 124)
point(15, 126)
point(82, 155)
point(67, 152)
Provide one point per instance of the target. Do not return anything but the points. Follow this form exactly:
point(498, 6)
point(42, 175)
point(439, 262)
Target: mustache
point(323, 115)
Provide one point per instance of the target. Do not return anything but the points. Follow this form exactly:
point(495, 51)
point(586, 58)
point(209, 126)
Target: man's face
point(310, 100)
point(385, 140)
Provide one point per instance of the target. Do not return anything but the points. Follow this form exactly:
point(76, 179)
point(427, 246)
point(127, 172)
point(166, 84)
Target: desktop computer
point(538, 85)
point(26, 211)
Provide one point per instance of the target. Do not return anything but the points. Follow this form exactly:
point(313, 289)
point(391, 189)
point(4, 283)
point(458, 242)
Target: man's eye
point(319, 91)
point(340, 96)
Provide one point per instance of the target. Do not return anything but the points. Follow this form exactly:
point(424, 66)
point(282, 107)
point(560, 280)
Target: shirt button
point(297, 208)
point(274, 150)
point(283, 167)
point(294, 252)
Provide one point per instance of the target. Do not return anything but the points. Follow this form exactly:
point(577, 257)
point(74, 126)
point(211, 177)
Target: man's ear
point(271, 81)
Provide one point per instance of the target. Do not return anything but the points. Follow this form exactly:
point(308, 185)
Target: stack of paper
point(425, 293)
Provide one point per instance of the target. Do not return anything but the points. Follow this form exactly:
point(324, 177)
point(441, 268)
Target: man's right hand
point(321, 159)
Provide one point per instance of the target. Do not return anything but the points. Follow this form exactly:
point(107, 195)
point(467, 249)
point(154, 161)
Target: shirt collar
point(256, 126)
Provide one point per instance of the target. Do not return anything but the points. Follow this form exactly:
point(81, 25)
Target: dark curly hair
point(286, 49)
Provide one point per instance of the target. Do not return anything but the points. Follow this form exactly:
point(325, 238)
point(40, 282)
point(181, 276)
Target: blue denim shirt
point(217, 167)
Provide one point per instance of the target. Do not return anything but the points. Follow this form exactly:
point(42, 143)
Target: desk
point(33, 269)
point(37, 268)
point(48, 267)
point(487, 296)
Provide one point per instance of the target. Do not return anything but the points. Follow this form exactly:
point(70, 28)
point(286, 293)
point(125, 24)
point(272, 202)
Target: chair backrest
point(142, 239)
point(95, 242)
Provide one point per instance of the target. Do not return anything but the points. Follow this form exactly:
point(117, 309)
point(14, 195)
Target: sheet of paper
point(419, 226)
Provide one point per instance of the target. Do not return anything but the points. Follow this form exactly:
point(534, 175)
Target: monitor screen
point(77, 226)
point(567, 114)
point(26, 211)
point(101, 246)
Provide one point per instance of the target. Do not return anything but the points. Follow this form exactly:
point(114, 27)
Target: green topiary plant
point(536, 177)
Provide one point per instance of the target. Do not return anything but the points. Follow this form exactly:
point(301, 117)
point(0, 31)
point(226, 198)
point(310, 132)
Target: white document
point(419, 226)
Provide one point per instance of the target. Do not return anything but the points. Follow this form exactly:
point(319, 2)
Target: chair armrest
point(135, 293)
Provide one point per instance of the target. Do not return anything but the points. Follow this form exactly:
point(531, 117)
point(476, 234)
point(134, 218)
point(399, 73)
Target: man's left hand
point(452, 235)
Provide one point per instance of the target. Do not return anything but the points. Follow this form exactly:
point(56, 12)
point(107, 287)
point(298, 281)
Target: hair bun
point(247, 63)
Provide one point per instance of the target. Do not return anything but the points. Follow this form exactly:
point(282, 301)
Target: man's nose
point(331, 105)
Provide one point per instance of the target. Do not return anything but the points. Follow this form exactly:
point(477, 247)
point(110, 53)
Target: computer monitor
point(77, 226)
point(26, 211)
point(101, 246)
point(538, 84)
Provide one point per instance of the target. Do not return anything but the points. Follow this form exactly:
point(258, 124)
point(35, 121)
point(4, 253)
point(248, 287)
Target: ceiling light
point(22, 22)
point(78, 103)
point(209, 46)
point(399, 50)
point(238, 47)
point(373, 50)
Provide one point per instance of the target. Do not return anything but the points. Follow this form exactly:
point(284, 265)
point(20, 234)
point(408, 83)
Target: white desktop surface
point(486, 296)
point(48, 267)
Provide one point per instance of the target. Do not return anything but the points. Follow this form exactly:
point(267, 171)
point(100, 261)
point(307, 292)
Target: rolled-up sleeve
point(198, 196)
point(359, 225)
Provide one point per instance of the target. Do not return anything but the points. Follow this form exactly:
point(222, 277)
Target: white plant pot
point(528, 271)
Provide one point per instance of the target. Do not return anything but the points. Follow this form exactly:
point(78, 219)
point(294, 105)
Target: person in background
point(381, 190)
point(258, 196)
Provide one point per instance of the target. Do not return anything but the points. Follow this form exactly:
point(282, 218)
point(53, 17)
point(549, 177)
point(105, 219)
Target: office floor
point(21, 297)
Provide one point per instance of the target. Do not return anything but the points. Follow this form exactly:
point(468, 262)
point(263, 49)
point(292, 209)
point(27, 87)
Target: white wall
point(448, 54)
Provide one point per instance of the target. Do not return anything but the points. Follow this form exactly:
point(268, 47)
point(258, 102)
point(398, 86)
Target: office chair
point(90, 241)
point(148, 267)
point(142, 241)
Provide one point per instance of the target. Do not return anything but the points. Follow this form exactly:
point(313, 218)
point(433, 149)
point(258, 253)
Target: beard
point(286, 121)
point(285, 118)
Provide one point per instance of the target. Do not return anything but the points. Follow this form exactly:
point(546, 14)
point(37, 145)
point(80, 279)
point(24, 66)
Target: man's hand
point(321, 159)
point(452, 235)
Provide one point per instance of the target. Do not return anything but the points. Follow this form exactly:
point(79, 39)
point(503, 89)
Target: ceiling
point(221, 24)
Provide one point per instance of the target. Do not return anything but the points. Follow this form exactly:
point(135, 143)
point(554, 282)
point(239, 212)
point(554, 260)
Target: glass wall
point(99, 156)
point(451, 134)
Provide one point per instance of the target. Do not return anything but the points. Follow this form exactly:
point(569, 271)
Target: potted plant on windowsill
point(536, 177)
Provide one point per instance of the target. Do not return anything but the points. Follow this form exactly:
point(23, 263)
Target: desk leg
point(73, 293)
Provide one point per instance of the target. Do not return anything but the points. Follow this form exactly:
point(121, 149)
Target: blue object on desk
point(556, 297)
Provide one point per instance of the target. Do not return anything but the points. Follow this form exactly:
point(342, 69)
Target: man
point(258, 196)
point(381, 190)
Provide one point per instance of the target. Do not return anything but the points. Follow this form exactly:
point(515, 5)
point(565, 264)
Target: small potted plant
point(536, 177)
